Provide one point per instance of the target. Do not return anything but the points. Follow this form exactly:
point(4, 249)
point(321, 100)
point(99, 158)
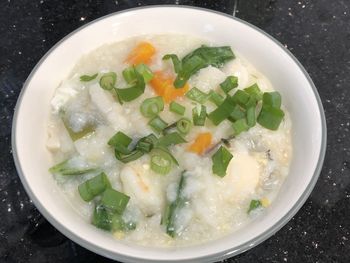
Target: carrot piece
point(163, 86)
point(142, 53)
point(201, 143)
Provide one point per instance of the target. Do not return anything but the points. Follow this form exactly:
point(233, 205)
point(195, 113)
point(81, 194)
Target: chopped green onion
point(240, 126)
point(159, 148)
point(129, 75)
point(229, 84)
point(216, 98)
point(176, 61)
point(126, 158)
point(136, 88)
point(108, 81)
point(93, 187)
point(67, 167)
point(152, 106)
point(161, 163)
point(157, 124)
point(147, 143)
point(190, 67)
point(171, 139)
point(223, 111)
point(241, 97)
point(251, 118)
point(237, 113)
point(197, 95)
point(270, 117)
point(255, 91)
point(252, 101)
point(183, 125)
point(172, 209)
point(201, 58)
point(114, 201)
point(199, 117)
point(102, 218)
point(177, 108)
point(272, 99)
point(221, 158)
point(120, 142)
point(145, 71)
point(254, 204)
point(86, 78)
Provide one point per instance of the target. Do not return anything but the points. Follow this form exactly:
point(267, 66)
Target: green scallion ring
point(183, 125)
point(152, 106)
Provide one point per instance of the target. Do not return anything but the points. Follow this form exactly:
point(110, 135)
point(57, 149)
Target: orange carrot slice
point(163, 86)
point(142, 53)
point(201, 143)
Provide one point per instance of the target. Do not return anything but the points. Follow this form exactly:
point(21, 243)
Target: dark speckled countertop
point(317, 32)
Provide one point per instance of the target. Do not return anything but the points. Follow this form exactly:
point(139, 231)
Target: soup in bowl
point(190, 143)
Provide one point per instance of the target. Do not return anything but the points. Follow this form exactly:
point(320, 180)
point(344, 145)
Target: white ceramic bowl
point(266, 54)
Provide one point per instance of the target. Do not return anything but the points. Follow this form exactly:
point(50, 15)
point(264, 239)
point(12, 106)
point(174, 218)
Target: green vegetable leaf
point(221, 159)
point(176, 61)
point(254, 204)
point(201, 58)
point(86, 78)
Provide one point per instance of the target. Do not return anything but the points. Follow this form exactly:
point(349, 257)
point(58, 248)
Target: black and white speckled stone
point(316, 32)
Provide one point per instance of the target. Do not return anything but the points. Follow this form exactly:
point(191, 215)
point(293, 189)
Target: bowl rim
point(214, 257)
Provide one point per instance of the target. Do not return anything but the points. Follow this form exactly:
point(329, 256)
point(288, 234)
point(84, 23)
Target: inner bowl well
point(266, 54)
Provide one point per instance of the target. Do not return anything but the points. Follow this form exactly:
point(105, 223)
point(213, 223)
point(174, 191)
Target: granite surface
point(317, 32)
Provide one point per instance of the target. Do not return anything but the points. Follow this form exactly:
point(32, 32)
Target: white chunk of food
point(67, 90)
point(207, 79)
point(143, 187)
point(242, 176)
point(109, 108)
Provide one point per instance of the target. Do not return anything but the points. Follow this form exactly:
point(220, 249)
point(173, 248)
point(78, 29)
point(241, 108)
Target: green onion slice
point(199, 117)
point(70, 167)
point(171, 139)
point(177, 108)
point(254, 204)
point(251, 118)
point(102, 218)
point(241, 97)
point(93, 187)
point(223, 111)
point(87, 78)
point(183, 125)
point(229, 84)
point(161, 162)
point(201, 58)
point(114, 201)
point(197, 95)
point(108, 81)
point(221, 158)
point(272, 99)
point(255, 91)
point(147, 143)
point(216, 98)
point(176, 61)
point(136, 85)
point(120, 141)
point(270, 117)
point(240, 126)
point(152, 106)
point(145, 71)
point(237, 113)
point(157, 124)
